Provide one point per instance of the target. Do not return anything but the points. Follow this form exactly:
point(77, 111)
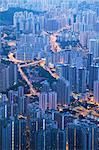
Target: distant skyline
point(45, 0)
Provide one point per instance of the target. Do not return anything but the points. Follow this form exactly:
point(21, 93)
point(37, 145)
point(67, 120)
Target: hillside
point(6, 17)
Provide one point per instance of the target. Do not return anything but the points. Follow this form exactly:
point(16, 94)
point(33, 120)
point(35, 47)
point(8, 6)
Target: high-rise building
point(66, 71)
point(62, 119)
point(83, 38)
point(11, 96)
point(96, 91)
point(73, 78)
point(81, 80)
point(94, 47)
point(89, 17)
point(28, 23)
point(45, 87)
point(52, 100)
point(25, 52)
point(62, 87)
point(43, 99)
point(93, 75)
point(0, 134)
point(0, 42)
point(89, 60)
point(50, 139)
point(22, 105)
point(20, 91)
point(6, 135)
point(8, 76)
point(82, 135)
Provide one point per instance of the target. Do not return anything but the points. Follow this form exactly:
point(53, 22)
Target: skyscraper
point(81, 80)
point(43, 99)
point(73, 78)
point(0, 42)
point(52, 98)
point(94, 47)
point(96, 91)
point(62, 87)
point(20, 91)
point(93, 75)
point(82, 135)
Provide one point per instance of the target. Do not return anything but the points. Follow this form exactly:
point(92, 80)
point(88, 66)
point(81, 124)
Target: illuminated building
point(82, 135)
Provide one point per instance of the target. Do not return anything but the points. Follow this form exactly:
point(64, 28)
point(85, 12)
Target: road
point(32, 90)
point(55, 47)
point(23, 64)
point(53, 39)
point(42, 63)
